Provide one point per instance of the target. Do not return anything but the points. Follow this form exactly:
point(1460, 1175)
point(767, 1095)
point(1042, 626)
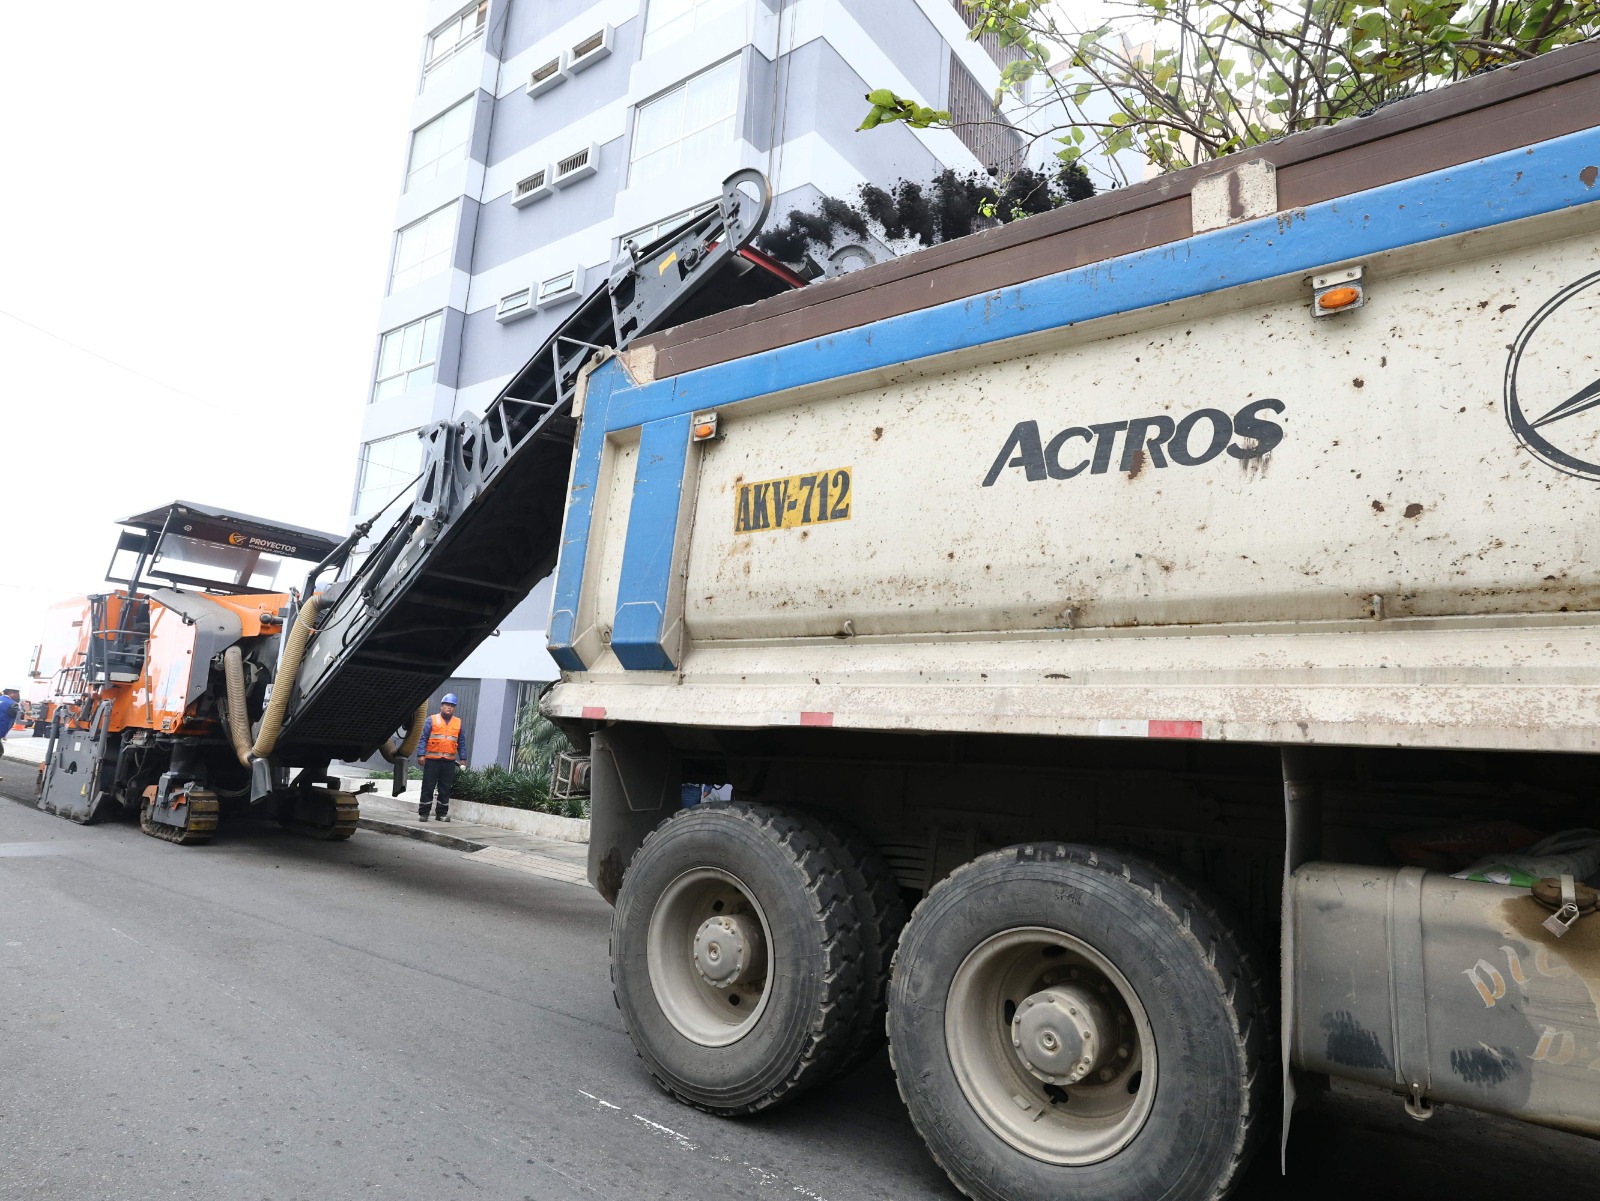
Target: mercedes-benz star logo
point(1553, 381)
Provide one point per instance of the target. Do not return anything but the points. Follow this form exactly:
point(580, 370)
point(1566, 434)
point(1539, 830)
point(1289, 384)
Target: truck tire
point(883, 916)
point(1066, 1021)
point(736, 956)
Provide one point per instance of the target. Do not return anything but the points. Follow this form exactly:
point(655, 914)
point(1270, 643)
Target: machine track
point(320, 813)
point(199, 825)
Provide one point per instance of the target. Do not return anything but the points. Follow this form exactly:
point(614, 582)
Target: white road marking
point(667, 1130)
point(764, 1178)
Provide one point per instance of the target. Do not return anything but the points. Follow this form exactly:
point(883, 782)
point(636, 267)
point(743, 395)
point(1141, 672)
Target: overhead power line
point(94, 354)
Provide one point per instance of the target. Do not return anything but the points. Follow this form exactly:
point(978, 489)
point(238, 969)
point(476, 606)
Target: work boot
point(422, 815)
point(444, 817)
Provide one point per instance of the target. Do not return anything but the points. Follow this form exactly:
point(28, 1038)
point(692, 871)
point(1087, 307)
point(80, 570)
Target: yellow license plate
point(809, 499)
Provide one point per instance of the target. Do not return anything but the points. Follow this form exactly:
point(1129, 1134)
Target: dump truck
point(1172, 598)
point(1191, 580)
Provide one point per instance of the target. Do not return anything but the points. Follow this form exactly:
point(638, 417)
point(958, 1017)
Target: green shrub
point(515, 789)
point(412, 773)
point(536, 741)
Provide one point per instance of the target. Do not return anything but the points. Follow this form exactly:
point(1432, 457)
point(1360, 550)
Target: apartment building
point(546, 132)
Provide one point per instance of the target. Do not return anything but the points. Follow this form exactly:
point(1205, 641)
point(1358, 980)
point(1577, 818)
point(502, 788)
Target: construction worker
point(10, 704)
point(443, 748)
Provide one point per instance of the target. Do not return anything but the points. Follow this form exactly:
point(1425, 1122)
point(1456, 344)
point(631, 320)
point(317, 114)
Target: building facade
point(546, 132)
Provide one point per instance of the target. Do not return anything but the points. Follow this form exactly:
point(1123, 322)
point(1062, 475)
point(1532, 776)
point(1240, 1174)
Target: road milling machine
point(162, 683)
point(202, 685)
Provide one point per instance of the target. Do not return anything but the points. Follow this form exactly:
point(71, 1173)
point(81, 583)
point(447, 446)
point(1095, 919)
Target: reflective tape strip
point(1175, 729)
point(804, 718)
point(1150, 729)
point(594, 712)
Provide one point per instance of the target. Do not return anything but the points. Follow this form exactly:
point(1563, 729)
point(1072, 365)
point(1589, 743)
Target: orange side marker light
point(1338, 298)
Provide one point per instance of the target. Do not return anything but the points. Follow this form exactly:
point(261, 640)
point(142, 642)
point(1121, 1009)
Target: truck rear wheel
point(1065, 1021)
point(736, 957)
point(883, 916)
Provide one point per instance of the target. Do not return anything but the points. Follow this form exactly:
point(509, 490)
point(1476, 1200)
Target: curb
point(523, 821)
point(437, 837)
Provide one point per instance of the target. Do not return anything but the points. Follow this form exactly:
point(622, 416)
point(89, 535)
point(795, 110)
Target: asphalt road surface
point(272, 1018)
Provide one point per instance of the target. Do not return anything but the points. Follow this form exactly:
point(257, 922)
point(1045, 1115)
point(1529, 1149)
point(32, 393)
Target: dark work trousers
point(440, 774)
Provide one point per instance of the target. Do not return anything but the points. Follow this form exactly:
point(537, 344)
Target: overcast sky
point(199, 199)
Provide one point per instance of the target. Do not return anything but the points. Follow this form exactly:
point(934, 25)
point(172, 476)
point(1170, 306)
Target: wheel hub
point(1050, 1045)
point(728, 950)
point(1063, 1033)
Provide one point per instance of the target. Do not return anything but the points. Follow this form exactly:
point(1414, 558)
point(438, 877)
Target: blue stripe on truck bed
point(637, 633)
point(1528, 182)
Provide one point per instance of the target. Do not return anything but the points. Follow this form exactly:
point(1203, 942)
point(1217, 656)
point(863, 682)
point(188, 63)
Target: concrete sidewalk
point(551, 858)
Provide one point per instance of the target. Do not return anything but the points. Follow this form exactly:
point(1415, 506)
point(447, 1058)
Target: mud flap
point(633, 786)
point(72, 777)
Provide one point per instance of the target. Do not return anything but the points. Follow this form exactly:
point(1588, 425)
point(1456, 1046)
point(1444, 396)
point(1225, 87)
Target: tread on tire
point(1194, 981)
point(810, 1009)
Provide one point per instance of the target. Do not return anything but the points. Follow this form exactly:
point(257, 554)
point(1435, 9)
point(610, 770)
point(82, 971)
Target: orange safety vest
point(444, 738)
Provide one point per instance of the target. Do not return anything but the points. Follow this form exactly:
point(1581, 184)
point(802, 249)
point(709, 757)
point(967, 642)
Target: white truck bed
point(1358, 540)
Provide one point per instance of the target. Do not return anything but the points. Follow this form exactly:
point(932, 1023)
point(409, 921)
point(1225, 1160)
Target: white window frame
point(576, 61)
point(572, 287)
point(435, 55)
point(426, 358)
point(446, 216)
point(401, 477)
point(514, 306)
point(662, 30)
point(430, 169)
point(735, 64)
point(656, 228)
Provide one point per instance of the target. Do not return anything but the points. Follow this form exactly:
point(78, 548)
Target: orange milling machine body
point(138, 678)
point(157, 699)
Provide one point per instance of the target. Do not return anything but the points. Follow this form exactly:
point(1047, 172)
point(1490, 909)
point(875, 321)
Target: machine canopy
point(214, 550)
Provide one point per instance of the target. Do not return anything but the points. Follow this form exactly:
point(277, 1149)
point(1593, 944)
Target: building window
point(423, 248)
point(685, 124)
point(989, 39)
point(978, 123)
point(460, 30)
point(439, 144)
point(407, 357)
point(565, 286)
point(644, 235)
point(669, 20)
point(389, 466)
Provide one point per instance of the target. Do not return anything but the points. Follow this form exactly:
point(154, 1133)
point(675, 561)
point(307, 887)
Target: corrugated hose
point(238, 717)
point(400, 755)
point(294, 650)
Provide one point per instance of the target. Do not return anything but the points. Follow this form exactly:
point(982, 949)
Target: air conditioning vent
point(534, 187)
point(546, 77)
point(566, 286)
point(578, 165)
point(517, 304)
point(589, 51)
